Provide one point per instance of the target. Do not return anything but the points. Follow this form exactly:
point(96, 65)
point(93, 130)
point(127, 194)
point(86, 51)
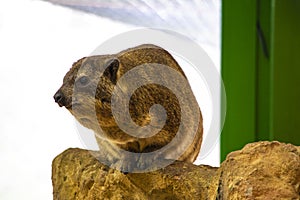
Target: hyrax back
point(87, 93)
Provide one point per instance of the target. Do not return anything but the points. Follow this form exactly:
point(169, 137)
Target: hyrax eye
point(84, 80)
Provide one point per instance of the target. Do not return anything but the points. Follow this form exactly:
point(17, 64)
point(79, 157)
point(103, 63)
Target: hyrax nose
point(60, 98)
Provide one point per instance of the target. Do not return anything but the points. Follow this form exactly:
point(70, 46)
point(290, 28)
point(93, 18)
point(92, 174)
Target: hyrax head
point(87, 88)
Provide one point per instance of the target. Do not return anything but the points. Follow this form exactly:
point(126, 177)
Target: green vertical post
point(263, 70)
point(285, 82)
point(238, 72)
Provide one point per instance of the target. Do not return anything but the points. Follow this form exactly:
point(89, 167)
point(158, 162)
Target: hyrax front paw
point(148, 163)
point(136, 163)
point(140, 163)
point(125, 164)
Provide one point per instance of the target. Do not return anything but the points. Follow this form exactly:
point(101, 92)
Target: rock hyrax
point(94, 87)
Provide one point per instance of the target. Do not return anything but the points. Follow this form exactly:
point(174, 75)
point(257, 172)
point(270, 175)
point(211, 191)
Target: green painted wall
point(261, 71)
point(285, 82)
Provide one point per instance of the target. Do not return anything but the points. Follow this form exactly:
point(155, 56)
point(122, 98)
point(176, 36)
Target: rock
point(262, 170)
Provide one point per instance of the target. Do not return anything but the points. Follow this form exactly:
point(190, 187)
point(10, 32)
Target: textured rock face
point(77, 174)
point(262, 170)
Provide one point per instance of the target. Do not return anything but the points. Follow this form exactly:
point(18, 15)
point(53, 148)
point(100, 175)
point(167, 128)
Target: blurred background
point(260, 69)
point(254, 44)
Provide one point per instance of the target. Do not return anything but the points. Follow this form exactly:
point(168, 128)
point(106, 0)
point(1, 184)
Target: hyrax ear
point(111, 70)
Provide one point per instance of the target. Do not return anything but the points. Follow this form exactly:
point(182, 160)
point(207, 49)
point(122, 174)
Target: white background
point(38, 44)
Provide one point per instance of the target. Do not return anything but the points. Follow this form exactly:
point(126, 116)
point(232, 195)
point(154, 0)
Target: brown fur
point(85, 101)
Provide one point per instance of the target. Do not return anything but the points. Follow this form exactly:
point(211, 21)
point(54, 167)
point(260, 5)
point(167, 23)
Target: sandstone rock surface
point(261, 170)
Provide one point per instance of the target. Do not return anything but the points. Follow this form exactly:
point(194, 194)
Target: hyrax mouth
point(69, 106)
